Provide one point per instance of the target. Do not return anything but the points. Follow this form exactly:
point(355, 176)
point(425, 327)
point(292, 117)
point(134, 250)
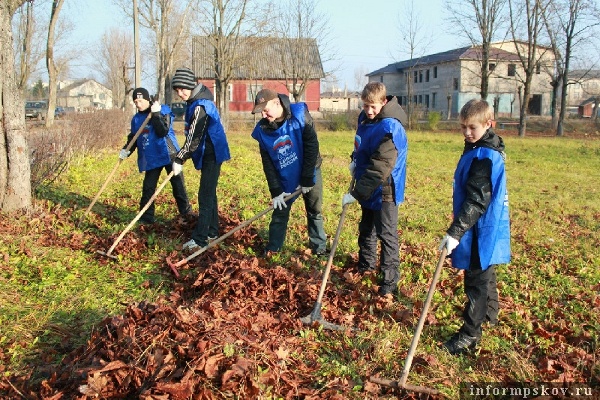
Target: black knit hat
point(141, 93)
point(184, 78)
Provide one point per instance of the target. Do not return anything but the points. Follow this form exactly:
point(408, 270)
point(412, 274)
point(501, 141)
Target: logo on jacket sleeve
point(357, 141)
point(284, 149)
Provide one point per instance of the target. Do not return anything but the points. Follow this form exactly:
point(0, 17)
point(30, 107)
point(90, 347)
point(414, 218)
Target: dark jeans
point(149, 187)
point(482, 295)
point(313, 203)
point(208, 213)
point(383, 225)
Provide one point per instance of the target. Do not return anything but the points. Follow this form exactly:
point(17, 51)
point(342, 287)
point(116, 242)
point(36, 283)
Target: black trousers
point(482, 294)
point(208, 213)
point(383, 225)
point(149, 187)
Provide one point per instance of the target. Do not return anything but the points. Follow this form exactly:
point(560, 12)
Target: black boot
point(461, 343)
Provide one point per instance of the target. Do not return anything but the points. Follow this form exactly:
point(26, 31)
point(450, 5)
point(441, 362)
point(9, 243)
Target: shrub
point(433, 119)
point(52, 149)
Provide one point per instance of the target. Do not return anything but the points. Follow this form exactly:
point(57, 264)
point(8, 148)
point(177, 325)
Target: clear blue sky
point(365, 34)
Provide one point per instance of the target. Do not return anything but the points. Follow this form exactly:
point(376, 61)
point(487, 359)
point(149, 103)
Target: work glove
point(305, 189)
point(347, 199)
point(155, 107)
point(123, 154)
point(279, 202)
point(351, 167)
point(177, 168)
point(449, 243)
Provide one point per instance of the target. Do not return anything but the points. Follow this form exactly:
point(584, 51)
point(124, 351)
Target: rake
point(401, 384)
point(137, 217)
point(213, 243)
point(129, 146)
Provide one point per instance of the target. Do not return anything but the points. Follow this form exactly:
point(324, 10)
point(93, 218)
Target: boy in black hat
point(206, 144)
point(157, 146)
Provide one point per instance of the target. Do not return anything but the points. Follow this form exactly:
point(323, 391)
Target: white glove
point(177, 168)
point(449, 243)
point(305, 189)
point(279, 202)
point(155, 107)
point(351, 167)
point(123, 154)
point(347, 199)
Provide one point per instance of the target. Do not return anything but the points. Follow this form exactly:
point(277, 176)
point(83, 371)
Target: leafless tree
point(569, 25)
point(526, 21)
point(15, 172)
point(222, 22)
point(480, 22)
point(51, 64)
point(168, 21)
point(116, 51)
point(414, 43)
point(301, 23)
point(360, 78)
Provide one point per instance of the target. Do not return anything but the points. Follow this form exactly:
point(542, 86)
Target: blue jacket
point(380, 171)
point(492, 228)
point(153, 151)
point(285, 147)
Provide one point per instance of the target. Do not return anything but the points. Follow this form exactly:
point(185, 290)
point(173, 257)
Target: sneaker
point(190, 245)
point(461, 343)
point(321, 253)
point(211, 238)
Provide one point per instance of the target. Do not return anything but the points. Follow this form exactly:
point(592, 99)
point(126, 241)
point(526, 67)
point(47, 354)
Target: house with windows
point(583, 86)
point(263, 63)
point(83, 95)
point(444, 82)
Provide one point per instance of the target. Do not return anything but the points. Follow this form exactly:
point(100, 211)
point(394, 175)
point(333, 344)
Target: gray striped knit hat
point(184, 78)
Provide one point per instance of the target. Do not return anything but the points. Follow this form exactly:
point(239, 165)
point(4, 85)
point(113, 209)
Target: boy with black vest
point(379, 168)
point(206, 144)
point(289, 150)
point(157, 146)
point(479, 237)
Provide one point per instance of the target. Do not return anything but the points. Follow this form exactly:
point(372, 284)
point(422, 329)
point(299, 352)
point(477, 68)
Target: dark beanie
point(184, 78)
point(141, 93)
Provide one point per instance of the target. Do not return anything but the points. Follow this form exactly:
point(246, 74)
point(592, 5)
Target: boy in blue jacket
point(379, 168)
point(479, 237)
point(157, 146)
point(206, 144)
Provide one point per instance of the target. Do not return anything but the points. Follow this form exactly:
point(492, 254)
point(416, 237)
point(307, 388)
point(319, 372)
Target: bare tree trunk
point(25, 53)
point(15, 183)
point(50, 64)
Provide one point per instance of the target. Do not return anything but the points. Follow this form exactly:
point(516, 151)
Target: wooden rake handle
point(139, 214)
point(129, 146)
point(231, 232)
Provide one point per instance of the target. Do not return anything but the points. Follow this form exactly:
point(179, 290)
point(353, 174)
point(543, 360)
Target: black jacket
point(198, 127)
point(310, 142)
point(479, 186)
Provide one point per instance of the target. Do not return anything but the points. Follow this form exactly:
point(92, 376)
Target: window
point(420, 76)
point(230, 92)
point(455, 83)
point(435, 72)
point(252, 91)
point(512, 69)
point(427, 76)
point(427, 100)
point(415, 99)
point(420, 99)
point(491, 67)
point(416, 74)
point(381, 79)
point(538, 68)
point(303, 96)
point(433, 95)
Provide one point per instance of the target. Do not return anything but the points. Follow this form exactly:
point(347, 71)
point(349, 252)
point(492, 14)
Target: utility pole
point(136, 45)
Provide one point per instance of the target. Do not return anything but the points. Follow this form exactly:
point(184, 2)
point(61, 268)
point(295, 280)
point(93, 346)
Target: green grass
point(54, 289)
